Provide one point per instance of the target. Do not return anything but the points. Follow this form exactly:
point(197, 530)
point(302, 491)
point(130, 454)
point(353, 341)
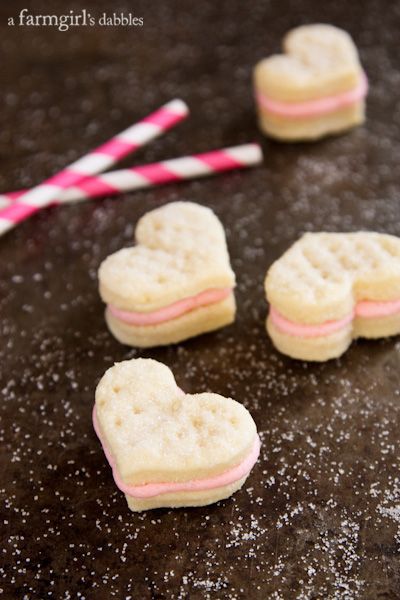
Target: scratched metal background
point(319, 517)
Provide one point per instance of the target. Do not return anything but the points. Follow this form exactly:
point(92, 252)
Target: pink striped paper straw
point(10, 197)
point(94, 162)
point(177, 169)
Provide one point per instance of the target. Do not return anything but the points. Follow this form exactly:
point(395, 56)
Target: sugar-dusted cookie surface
point(154, 433)
point(180, 251)
point(329, 288)
point(314, 88)
point(175, 283)
point(318, 60)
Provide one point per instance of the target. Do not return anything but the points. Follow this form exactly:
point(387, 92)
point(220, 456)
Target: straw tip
point(257, 152)
point(178, 106)
point(252, 153)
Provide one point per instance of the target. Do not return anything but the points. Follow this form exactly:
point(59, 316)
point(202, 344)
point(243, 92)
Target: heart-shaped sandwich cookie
point(317, 87)
point(167, 448)
point(176, 282)
point(330, 288)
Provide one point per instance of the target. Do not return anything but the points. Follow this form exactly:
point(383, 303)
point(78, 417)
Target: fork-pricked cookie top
point(160, 440)
point(318, 60)
point(175, 283)
point(180, 251)
point(341, 284)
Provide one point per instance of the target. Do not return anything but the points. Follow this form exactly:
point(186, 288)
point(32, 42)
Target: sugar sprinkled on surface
point(319, 516)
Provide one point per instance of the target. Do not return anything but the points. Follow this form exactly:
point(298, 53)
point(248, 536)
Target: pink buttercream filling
point(172, 311)
point(319, 106)
point(367, 309)
point(370, 309)
point(149, 490)
point(301, 330)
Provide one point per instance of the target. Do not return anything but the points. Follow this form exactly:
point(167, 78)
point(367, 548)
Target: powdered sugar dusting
point(318, 517)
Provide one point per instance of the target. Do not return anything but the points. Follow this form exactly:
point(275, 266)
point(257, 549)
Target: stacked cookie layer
point(175, 283)
point(167, 448)
point(329, 288)
point(317, 87)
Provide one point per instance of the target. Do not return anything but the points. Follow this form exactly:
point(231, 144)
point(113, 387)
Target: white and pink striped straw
point(174, 170)
point(94, 162)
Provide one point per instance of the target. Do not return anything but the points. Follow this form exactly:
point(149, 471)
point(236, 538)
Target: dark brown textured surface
point(320, 515)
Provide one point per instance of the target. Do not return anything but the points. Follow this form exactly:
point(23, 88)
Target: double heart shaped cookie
point(175, 283)
point(329, 288)
point(168, 448)
point(316, 88)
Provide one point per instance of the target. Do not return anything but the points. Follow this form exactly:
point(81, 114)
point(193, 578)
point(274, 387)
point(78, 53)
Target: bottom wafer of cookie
point(193, 323)
point(180, 499)
point(313, 127)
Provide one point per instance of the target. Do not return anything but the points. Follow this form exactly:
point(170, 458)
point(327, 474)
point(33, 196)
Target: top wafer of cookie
point(180, 251)
point(318, 60)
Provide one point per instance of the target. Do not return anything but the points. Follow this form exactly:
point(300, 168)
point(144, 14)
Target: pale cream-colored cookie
point(168, 448)
point(302, 129)
point(317, 349)
point(317, 87)
point(175, 283)
point(179, 499)
point(330, 288)
point(190, 324)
